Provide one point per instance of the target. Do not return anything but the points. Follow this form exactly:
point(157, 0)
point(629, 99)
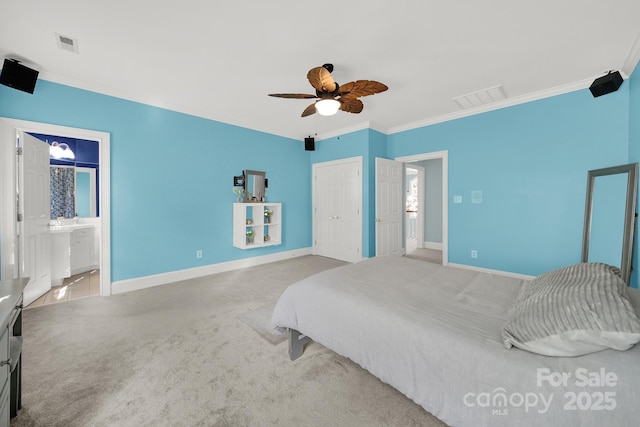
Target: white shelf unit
point(250, 217)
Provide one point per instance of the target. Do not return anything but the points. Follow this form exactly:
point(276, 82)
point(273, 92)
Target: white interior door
point(33, 220)
point(389, 207)
point(337, 209)
point(323, 211)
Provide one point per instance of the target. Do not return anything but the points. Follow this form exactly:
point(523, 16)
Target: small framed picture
point(238, 181)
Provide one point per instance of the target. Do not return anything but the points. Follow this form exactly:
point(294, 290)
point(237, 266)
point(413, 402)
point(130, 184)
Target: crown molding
point(353, 128)
point(632, 59)
point(509, 102)
point(343, 131)
point(378, 128)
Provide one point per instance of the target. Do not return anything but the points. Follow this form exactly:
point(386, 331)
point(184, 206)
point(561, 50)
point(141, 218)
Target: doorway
point(414, 208)
point(430, 176)
point(9, 190)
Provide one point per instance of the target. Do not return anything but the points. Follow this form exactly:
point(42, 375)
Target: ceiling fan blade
point(320, 78)
point(361, 88)
point(311, 109)
point(293, 95)
point(351, 105)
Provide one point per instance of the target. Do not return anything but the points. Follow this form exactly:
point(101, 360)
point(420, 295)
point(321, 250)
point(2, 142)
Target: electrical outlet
point(199, 253)
point(474, 253)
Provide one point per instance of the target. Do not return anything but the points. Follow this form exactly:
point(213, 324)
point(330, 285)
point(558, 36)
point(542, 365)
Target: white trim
point(8, 242)
point(343, 131)
point(378, 128)
point(632, 59)
point(139, 283)
point(490, 271)
point(104, 141)
point(340, 161)
point(432, 245)
point(350, 129)
point(444, 155)
point(509, 102)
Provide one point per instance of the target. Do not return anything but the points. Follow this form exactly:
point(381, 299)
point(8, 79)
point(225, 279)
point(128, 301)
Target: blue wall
point(172, 177)
point(531, 162)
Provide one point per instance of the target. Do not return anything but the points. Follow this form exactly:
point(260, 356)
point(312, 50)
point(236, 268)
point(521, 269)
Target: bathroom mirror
point(73, 192)
point(86, 192)
point(609, 218)
point(254, 186)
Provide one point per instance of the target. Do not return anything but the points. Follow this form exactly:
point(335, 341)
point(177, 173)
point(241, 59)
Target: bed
point(436, 334)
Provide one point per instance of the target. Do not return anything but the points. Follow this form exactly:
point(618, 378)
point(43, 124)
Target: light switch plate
point(476, 197)
point(457, 199)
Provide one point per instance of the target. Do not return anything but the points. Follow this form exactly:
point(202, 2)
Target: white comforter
point(433, 333)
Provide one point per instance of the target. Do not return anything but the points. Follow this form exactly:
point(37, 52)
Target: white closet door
point(322, 211)
point(35, 246)
point(337, 209)
point(389, 207)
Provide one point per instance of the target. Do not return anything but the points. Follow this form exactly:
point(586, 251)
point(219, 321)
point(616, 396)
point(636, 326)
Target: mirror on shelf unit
point(255, 184)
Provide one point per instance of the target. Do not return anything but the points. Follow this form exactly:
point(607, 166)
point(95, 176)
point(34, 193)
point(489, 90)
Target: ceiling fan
point(333, 97)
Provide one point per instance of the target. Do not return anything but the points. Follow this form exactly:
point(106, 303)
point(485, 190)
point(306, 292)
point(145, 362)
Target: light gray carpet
point(260, 321)
point(430, 255)
point(179, 355)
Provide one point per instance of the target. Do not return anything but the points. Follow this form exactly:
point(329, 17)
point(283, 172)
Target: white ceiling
point(220, 59)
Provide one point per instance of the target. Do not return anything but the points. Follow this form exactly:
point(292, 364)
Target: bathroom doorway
point(9, 191)
point(74, 212)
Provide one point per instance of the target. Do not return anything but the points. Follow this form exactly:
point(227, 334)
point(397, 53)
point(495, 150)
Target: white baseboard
point(138, 283)
point(490, 271)
point(432, 245)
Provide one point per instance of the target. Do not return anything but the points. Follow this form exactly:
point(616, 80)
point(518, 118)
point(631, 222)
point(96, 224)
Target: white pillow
point(572, 311)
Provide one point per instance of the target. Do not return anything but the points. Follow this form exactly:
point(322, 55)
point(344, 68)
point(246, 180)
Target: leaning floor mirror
point(610, 216)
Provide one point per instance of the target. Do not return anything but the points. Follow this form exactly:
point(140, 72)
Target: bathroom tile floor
point(79, 286)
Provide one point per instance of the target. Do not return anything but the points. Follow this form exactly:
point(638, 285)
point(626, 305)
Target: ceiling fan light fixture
point(327, 107)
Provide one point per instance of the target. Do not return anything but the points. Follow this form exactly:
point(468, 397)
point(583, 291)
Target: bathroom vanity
point(73, 250)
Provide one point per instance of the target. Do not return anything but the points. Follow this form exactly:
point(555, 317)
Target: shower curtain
point(63, 186)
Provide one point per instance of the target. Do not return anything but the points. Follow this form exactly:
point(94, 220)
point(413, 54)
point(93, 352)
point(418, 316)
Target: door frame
point(444, 155)
point(8, 225)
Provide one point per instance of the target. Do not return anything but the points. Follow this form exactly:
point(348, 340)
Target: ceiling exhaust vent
point(67, 43)
point(481, 97)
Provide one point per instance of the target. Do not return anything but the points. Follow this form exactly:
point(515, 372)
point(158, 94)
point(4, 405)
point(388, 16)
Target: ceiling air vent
point(481, 97)
point(67, 43)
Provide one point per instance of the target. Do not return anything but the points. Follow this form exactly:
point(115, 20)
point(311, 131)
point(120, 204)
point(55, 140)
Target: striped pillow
point(573, 311)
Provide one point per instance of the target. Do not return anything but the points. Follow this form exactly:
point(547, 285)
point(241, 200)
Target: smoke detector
point(67, 43)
